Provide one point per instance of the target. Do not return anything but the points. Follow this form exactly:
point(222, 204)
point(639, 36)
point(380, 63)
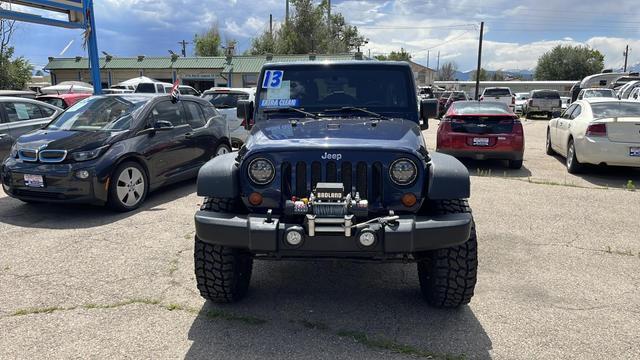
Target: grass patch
point(44, 310)
point(315, 325)
point(630, 186)
point(390, 345)
point(219, 314)
point(483, 172)
point(173, 266)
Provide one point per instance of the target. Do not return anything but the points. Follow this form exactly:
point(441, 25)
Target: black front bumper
point(60, 183)
point(407, 235)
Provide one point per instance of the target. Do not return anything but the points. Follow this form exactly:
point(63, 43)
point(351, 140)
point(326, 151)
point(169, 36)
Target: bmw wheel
point(128, 187)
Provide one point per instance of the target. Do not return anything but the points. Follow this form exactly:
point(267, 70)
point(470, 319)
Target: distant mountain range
point(511, 73)
point(632, 68)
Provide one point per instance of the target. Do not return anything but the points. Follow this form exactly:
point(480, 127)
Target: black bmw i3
point(115, 149)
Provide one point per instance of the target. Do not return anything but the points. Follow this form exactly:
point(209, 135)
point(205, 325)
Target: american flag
point(175, 93)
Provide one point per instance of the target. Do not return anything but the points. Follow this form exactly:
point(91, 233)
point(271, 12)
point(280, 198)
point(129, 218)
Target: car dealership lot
point(558, 278)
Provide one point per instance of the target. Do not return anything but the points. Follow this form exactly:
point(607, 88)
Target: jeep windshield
point(337, 91)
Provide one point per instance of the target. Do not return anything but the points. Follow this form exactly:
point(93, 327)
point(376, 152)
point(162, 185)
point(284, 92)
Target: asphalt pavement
point(559, 261)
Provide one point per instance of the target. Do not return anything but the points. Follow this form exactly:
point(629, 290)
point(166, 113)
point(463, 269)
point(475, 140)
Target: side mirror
point(428, 109)
point(556, 114)
point(162, 125)
point(244, 111)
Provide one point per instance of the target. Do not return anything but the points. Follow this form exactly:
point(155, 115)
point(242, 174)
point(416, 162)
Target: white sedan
point(597, 131)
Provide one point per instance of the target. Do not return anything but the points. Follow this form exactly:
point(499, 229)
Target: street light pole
point(479, 61)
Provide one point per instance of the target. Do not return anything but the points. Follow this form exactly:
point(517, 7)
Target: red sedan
point(482, 130)
point(62, 101)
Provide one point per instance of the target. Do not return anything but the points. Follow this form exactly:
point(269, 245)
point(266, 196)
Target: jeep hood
point(335, 133)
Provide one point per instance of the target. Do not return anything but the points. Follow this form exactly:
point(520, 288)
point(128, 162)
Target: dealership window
point(249, 80)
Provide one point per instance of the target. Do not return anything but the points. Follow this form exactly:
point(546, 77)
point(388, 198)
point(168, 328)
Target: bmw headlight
point(88, 154)
point(261, 171)
point(403, 171)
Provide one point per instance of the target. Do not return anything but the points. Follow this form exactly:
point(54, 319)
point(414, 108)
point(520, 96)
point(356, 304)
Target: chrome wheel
point(222, 149)
point(570, 155)
point(130, 186)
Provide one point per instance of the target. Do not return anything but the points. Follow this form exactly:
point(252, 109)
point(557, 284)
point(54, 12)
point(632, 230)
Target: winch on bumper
point(328, 223)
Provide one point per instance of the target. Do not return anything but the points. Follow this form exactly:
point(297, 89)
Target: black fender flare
point(219, 177)
point(448, 178)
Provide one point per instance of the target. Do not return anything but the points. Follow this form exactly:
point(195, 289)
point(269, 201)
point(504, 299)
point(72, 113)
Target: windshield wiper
point(363, 110)
point(291, 109)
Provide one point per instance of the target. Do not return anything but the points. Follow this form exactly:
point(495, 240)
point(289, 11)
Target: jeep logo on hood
point(327, 156)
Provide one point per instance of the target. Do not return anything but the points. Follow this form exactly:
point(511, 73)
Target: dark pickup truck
point(336, 168)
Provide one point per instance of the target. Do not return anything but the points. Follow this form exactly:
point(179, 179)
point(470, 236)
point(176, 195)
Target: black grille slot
point(376, 182)
point(286, 180)
point(362, 179)
point(368, 182)
point(316, 174)
point(346, 177)
point(332, 172)
point(301, 179)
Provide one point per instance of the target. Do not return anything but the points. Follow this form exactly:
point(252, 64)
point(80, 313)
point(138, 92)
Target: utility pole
point(286, 13)
point(626, 56)
point(479, 61)
point(428, 58)
point(271, 25)
point(438, 63)
point(184, 44)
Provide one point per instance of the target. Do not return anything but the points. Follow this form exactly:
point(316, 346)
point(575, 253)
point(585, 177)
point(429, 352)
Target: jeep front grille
point(300, 178)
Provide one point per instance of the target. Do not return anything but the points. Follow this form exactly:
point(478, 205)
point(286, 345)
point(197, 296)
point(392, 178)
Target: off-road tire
point(222, 273)
point(573, 165)
point(549, 148)
point(448, 276)
point(515, 164)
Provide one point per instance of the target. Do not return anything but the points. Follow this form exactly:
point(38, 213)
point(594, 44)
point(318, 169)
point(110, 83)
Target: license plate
point(634, 151)
point(481, 141)
point(33, 180)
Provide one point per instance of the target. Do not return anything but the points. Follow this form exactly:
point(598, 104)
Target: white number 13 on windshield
point(272, 79)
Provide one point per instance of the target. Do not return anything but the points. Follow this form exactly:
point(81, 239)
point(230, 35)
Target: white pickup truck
point(499, 94)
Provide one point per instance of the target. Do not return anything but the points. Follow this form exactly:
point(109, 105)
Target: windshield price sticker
point(278, 103)
point(272, 79)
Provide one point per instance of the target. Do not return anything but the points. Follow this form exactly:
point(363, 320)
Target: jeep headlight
point(403, 171)
point(261, 171)
point(89, 154)
point(14, 151)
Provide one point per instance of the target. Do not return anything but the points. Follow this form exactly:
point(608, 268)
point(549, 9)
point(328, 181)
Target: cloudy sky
point(516, 31)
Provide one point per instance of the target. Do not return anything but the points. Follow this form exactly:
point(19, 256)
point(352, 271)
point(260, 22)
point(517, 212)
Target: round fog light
point(409, 199)
point(82, 174)
point(255, 199)
point(367, 237)
point(293, 237)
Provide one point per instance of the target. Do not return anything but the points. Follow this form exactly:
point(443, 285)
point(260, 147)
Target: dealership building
point(199, 72)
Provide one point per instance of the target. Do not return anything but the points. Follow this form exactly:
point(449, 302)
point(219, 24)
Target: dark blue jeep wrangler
point(336, 167)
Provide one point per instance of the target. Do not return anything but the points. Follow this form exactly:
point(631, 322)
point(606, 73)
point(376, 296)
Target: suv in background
point(226, 101)
point(336, 168)
point(153, 88)
point(543, 102)
point(499, 94)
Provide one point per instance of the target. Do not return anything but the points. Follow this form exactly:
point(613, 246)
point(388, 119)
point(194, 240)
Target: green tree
point(483, 75)
point(447, 71)
point(307, 31)
point(497, 76)
point(566, 62)
point(208, 43)
point(14, 73)
point(401, 55)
